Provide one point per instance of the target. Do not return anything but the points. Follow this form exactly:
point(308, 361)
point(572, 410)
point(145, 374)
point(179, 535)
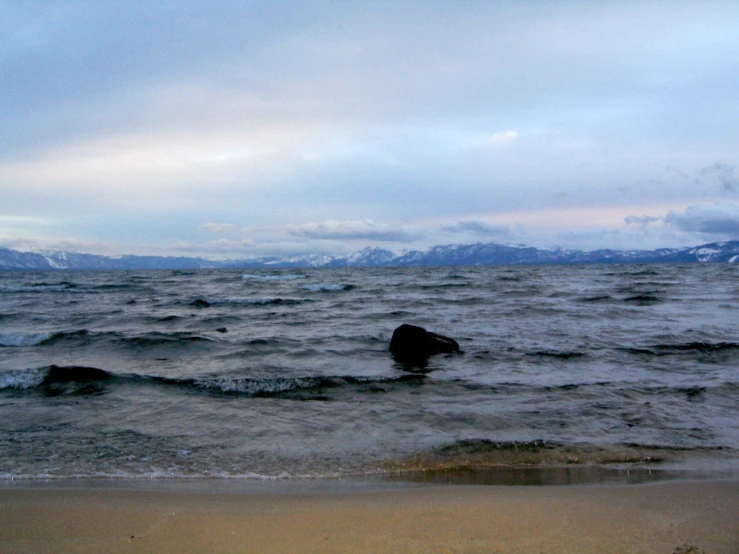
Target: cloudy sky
point(239, 129)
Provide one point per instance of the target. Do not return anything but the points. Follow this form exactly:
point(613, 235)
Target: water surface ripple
point(286, 373)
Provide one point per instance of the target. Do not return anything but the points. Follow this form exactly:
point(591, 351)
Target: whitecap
point(248, 276)
point(23, 339)
point(23, 379)
point(258, 386)
point(18, 288)
point(321, 287)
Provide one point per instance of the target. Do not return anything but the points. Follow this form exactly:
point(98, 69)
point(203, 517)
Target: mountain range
point(451, 254)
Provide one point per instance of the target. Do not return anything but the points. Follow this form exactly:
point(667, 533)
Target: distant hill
point(451, 254)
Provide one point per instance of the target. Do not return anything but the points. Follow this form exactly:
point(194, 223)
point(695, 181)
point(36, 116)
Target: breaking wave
point(19, 340)
point(75, 377)
point(249, 277)
point(684, 348)
point(208, 302)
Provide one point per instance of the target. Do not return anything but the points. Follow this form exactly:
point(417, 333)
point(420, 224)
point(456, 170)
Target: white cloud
point(365, 229)
point(217, 249)
point(504, 137)
point(67, 244)
point(133, 123)
point(219, 227)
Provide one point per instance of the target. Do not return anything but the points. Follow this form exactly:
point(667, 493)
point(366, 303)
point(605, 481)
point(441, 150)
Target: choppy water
point(287, 373)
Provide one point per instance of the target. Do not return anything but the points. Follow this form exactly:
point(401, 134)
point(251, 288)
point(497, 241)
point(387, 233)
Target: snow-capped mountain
point(13, 259)
point(451, 254)
point(367, 257)
point(713, 252)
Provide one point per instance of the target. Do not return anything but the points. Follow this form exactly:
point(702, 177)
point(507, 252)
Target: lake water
point(286, 373)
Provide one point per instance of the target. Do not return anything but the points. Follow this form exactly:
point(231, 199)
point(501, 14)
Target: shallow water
point(287, 373)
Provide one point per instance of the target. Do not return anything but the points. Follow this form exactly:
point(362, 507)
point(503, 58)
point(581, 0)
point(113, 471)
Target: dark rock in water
point(222, 330)
point(76, 380)
point(200, 303)
point(59, 374)
point(413, 345)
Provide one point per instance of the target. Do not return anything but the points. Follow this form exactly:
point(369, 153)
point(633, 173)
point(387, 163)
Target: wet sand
point(671, 518)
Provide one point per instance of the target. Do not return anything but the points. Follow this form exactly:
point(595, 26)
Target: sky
point(229, 129)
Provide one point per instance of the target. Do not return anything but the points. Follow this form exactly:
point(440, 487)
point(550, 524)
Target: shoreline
point(673, 517)
point(498, 476)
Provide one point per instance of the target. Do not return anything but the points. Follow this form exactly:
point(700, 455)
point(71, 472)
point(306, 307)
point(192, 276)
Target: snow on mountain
point(448, 254)
point(13, 259)
point(368, 257)
point(707, 253)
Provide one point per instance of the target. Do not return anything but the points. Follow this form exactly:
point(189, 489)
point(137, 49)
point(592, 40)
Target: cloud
point(643, 220)
point(66, 244)
point(214, 249)
point(721, 218)
point(20, 222)
point(504, 137)
point(355, 230)
point(130, 121)
point(724, 174)
point(218, 227)
point(476, 226)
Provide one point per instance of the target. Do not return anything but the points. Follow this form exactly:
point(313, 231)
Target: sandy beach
point(670, 518)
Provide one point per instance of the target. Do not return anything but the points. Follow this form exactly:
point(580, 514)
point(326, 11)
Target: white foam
point(320, 287)
point(23, 339)
point(248, 276)
point(257, 386)
point(24, 379)
point(34, 288)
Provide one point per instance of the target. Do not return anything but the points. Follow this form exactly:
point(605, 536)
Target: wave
point(84, 337)
point(38, 288)
point(24, 379)
point(599, 389)
point(168, 318)
point(327, 287)
point(441, 286)
point(282, 386)
point(21, 339)
point(26, 339)
point(207, 303)
point(73, 336)
point(160, 339)
point(597, 298)
point(559, 355)
point(644, 299)
point(684, 348)
point(291, 277)
point(698, 347)
point(54, 380)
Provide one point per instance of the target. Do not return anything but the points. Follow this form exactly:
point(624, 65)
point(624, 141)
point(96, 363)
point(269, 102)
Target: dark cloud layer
point(478, 227)
point(713, 219)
